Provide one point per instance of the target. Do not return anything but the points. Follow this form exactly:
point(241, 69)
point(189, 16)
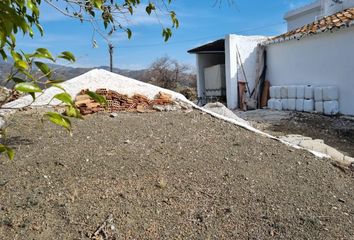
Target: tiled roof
point(336, 21)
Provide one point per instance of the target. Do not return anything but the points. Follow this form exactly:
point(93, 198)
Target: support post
point(231, 71)
point(110, 50)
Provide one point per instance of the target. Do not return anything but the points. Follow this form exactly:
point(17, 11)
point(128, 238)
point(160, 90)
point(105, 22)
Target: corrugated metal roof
point(216, 46)
point(338, 20)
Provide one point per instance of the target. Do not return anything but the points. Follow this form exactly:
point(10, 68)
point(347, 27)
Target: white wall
point(303, 15)
point(329, 7)
point(303, 19)
point(247, 47)
point(321, 60)
point(203, 61)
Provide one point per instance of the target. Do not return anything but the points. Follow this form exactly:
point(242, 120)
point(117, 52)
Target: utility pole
point(110, 49)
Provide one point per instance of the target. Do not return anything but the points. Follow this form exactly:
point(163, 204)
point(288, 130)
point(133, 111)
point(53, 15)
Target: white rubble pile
point(94, 80)
point(318, 145)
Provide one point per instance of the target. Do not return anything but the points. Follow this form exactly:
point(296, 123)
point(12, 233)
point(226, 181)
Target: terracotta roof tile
point(337, 20)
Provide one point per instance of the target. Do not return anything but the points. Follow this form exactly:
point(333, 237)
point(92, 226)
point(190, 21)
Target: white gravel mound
point(93, 80)
point(219, 108)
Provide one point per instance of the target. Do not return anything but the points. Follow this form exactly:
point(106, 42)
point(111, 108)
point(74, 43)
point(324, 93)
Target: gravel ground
point(166, 176)
point(336, 131)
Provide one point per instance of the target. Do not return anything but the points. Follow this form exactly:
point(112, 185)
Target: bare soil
point(336, 131)
point(166, 176)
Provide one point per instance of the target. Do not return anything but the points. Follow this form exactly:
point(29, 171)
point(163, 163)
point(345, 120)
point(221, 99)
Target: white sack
point(284, 92)
point(291, 104)
point(308, 92)
point(291, 92)
point(284, 103)
point(319, 107)
point(278, 105)
point(318, 92)
point(300, 92)
point(300, 105)
point(309, 105)
point(330, 93)
point(272, 92)
point(331, 107)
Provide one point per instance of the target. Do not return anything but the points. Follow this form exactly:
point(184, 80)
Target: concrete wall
point(203, 61)
point(303, 19)
point(247, 47)
point(329, 7)
point(320, 60)
point(303, 15)
point(312, 12)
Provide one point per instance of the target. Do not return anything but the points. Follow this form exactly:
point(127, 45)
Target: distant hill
point(66, 73)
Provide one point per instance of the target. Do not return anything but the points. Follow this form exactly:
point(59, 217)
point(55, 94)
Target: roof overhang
point(217, 46)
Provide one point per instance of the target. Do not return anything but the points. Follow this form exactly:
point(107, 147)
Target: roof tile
point(338, 20)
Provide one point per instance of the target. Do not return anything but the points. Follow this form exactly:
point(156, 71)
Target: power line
point(201, 38)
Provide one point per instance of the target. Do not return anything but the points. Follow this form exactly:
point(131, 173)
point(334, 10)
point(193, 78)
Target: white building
point(237, 56)
point(318, 53)
point(317, 50)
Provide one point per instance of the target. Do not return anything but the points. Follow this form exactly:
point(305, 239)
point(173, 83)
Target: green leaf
point(64, 97)
point(98, 3)
point(58, 86)
point(54, 81)
point(97, 98)
point(129, 32)
point(44, 68)
point(44, 53)
point(72, 111)
point(59, 120)
point(40, 29)
point(68, 56)
point(21, 64)
point(151, 7)
point(28, 87)
point(9, 151)
point(17, 80)
point(3, 54)
point(16, 56)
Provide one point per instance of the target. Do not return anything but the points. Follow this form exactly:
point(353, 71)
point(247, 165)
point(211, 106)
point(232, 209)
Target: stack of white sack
point(304, 98)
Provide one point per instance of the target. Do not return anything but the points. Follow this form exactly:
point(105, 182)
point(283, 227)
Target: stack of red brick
point(117, 102)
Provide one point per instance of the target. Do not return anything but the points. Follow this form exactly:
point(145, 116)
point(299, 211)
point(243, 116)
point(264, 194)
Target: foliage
point(169, 73)
point(23, 17)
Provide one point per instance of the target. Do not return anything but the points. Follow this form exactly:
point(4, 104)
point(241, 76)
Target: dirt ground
point(166, 176)
point(336, 131)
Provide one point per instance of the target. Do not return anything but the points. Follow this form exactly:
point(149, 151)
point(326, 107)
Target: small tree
point(167, 72)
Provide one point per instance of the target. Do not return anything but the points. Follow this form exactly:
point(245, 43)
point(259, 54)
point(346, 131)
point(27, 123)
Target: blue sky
point(200, 22)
